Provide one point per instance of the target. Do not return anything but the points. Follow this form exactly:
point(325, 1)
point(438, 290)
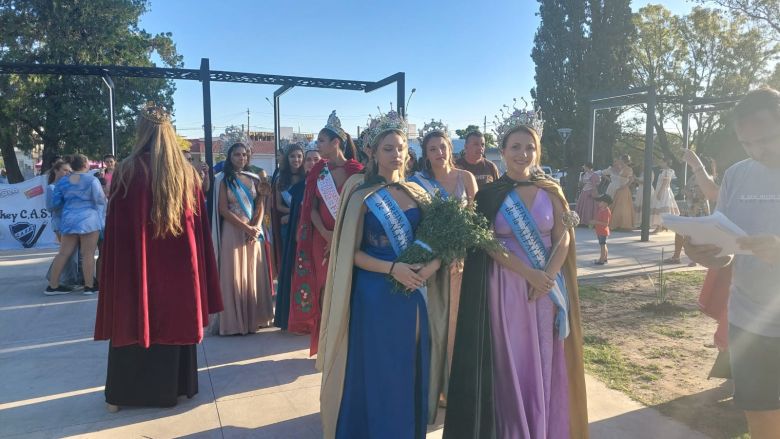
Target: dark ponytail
point(347, 145)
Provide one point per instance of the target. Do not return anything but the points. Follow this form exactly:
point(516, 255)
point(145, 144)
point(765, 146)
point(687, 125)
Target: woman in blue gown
point(289, 242)
point(381, 350)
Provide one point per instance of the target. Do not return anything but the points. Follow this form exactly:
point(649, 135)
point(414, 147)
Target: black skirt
point(153, 377)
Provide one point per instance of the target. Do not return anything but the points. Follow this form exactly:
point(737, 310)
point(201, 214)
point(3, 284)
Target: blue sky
point(466, 59)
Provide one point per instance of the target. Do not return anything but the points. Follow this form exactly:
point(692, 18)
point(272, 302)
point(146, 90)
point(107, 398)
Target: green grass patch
point(686, 278)
point(668, 353)
point(671, 332)
point(592, 293)
point(616, 371)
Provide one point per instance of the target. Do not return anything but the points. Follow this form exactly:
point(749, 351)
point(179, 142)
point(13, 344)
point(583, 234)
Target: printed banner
point(24, 220)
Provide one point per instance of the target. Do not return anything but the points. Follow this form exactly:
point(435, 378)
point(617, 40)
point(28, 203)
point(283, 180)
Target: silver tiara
point(334, 125)
point(385, 122)
point(430, 127)
point(513, 117)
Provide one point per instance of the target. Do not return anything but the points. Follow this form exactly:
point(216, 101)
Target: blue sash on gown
point(388, 360)
point(527, 234)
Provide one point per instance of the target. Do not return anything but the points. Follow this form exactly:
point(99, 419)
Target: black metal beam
point(620, 94)
point(648, 173)
point(400, 93)
point(608, 104)
point(182, 74)
point(277, 120)
point(206, 81)
point(383, 82)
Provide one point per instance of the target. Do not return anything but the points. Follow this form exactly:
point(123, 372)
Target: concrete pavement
point(260, 386)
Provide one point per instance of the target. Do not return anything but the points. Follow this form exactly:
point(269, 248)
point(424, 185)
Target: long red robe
point(311, 266)
point(154, 291)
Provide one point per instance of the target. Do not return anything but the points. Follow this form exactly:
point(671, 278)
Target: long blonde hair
point(174, 181)
point(372, 170)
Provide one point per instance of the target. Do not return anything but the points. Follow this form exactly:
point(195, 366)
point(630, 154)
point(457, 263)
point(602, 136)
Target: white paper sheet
point(715, 229)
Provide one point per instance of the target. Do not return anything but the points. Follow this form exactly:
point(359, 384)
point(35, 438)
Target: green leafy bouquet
point(449, 229)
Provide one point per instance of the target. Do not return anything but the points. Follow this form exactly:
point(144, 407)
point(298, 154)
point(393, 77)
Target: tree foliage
point(70, 113)
point(764, 13)
point(706, 53)
point(580, 49)
point(490, 140)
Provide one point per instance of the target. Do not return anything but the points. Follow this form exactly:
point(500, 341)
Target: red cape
point(309, 274)
point(155, 291)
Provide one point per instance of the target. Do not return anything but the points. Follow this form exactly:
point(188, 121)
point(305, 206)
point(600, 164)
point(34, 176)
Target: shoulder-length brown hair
point(425, 163)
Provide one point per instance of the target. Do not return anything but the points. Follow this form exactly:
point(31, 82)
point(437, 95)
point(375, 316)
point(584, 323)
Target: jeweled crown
point(384, 123)
point(429, 127)
point(155, 113)
point(512, 117)
point(334, 125)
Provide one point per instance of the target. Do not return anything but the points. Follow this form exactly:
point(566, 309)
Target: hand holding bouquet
point(447, 231)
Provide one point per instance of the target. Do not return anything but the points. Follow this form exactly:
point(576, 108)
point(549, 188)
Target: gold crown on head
point(155, 113)
point(385, 122)
point(430, 127)
point(514, 117)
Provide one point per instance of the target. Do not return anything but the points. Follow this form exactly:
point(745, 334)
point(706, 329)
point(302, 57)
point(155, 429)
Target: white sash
point(328, 191)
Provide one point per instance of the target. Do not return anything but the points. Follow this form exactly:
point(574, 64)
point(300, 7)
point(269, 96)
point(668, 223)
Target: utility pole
point(484, 126)
point(247, 123)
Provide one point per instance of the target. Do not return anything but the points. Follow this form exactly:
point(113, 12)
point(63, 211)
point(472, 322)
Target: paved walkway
point(259, 386)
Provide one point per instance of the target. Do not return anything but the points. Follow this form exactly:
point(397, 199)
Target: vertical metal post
point(592, 135)
point(110, 84)
point(401, 93)
point(277, 121)
point(686, 127)
point(277, 130)
point(648, 169)
point(205, 79)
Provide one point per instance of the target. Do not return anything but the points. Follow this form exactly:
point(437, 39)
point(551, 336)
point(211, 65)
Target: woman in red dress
point(158, 279)
point(315, 228)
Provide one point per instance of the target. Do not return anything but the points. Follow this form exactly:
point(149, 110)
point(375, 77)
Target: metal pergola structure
point(701, 105)
point(205, 75)
point(648, 96)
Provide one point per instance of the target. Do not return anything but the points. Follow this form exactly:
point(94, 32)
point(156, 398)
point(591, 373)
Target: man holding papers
point(750, 198)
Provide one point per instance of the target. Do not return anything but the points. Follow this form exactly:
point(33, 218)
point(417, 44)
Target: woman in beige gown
point(621, 176)
point(245, 276)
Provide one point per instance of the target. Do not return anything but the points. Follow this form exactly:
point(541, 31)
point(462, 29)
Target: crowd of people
point(620, 188)
point(495, 338)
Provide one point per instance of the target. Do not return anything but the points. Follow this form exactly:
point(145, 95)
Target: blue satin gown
point(388, 358)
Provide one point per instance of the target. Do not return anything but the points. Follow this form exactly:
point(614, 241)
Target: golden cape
point(334, 329)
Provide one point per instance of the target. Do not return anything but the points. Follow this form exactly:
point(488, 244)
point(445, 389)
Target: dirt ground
point(659, 359)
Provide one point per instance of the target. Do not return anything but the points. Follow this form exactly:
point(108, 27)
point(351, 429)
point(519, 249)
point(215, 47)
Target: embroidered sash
point(527, 234)
point(394, 222)
point(244, 197)
point(327, 188)
point(430, 185)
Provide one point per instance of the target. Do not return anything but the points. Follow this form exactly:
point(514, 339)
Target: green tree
point(703, 54)
point(490, 140)
point(762, 12)
point(580, 49)
point(70, 113)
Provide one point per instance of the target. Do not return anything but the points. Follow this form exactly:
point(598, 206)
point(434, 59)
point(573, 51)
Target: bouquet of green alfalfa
point(449, 229)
